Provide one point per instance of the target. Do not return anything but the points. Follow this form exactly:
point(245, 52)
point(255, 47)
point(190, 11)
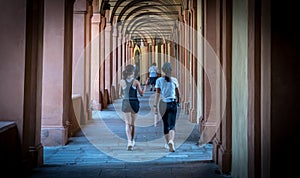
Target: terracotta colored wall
point(78, 47)
point(53, 126)
point(53, 63)
point(12, 57)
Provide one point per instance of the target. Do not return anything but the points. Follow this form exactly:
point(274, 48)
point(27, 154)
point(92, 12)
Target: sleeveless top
point(130, 101)
point(129, 92)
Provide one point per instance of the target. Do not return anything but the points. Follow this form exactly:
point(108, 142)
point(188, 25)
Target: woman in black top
point(129, 87)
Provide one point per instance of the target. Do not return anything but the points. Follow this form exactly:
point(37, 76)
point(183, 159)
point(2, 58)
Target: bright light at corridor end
point(207, 62)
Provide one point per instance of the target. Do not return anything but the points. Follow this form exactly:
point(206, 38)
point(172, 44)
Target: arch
point(135, 2)
point(141, 21)
point(160, 7)
point(154, 7)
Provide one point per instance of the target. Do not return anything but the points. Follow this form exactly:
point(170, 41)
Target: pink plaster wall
point(80, 61)
point(52, 105)
point(95, 51)
point(78, 53)
point(12, 56)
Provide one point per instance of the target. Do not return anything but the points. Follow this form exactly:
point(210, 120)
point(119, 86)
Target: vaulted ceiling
point(144, 19)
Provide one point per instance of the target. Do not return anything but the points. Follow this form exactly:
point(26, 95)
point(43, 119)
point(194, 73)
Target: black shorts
point(132, 106)
point(168, 111)
point(152, 80)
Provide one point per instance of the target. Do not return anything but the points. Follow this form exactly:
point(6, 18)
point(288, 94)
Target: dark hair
point(154, 64)
point(129, 70)
point(167, 69)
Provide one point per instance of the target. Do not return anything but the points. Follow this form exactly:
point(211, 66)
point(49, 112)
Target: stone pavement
point(99, 149)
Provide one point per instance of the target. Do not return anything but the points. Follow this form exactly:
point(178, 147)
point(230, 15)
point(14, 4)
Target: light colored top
point(167, 89)
point(153, 71)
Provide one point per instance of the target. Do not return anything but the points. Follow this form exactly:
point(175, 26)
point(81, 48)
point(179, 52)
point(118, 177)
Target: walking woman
point(129, 87)
point(167, 97)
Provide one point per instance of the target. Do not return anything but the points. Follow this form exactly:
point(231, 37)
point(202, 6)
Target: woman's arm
point(139, 88)
point(156, 99)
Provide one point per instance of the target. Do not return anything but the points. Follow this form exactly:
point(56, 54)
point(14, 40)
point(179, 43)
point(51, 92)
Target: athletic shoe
point(171, 146)
point(130, 146)
point(166, 146)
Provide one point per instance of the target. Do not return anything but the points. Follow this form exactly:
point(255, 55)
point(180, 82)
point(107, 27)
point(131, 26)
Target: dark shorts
point(132, 106)
point(152, 80)
point(168, 112)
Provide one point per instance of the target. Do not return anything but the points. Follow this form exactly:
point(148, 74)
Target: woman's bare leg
point(167, 138)
point(130, 128)
point(133, 118)
point(127, 117)
point(171, 140)
point(171, 135)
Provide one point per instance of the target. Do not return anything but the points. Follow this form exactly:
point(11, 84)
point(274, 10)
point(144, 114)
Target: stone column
point(95, 63)
point(168, 51)
point(153, 52)
point(150, 54)
point(131, 52)
point(146, 59)
point(194, 68)
point(158, 55)
point(21, 69)
point(119, 58)
point(57, 76)
point(87, 88)
point(185, 62)
point(129, 49)
point(162, 53)
point(108, 63)
point(181, 69)
point(79, 55)
point(223, 140)
point(124, 52)
point(82, 55)
point(173, 60)
point(114, 63)
point(143, 63)
point(102, 63)
point(32, 149)
point(211, 72)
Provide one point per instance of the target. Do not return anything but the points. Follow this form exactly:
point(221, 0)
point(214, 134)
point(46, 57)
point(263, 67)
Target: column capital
point(185, 15)
point(107, 26)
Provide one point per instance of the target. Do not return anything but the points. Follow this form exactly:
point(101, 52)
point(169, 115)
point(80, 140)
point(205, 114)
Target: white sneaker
point(130, 146)
point(171, 146)
point(166, 146)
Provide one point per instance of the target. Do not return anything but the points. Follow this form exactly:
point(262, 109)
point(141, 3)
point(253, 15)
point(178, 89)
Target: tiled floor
point(99, 149)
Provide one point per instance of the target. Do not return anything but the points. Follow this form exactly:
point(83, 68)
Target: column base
point(222, 156)
point(193, 116)
point(216, 146)
point(224, 160)
point(95, 105)
point(54, 136)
